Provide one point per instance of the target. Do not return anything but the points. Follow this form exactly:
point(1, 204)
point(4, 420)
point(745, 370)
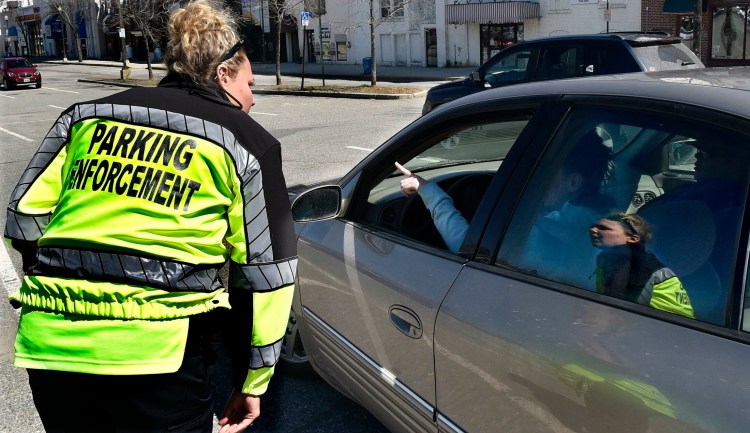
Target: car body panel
point(533, 359)
point(357, 280)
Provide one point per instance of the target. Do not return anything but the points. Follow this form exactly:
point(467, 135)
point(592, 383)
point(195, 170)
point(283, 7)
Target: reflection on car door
point(383, 319)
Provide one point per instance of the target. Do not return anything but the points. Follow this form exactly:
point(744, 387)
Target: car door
point(558, 60)
point(513, 65)
point(530, 338)
point(372, 280)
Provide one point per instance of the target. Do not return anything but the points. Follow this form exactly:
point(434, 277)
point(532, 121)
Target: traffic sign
point(305, 18)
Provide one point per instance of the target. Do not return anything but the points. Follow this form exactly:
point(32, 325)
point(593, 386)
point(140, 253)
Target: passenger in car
point(719, 178)
point(557, 246)
point(625, 270)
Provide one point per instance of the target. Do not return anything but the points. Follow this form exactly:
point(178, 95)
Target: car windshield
point(488, 142)
point(667, 57)
point(20, 63)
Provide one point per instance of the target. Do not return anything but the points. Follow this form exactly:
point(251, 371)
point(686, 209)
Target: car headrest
point(684, 233)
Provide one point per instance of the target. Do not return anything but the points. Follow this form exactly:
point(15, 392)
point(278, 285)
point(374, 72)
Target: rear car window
point(672, 188)
point(666, 57)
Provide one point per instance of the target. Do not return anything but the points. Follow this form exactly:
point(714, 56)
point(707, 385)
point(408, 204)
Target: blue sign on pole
point(305, 18)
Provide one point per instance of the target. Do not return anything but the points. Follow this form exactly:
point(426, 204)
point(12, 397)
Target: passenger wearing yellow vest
point(624, 269)
point(121, 218)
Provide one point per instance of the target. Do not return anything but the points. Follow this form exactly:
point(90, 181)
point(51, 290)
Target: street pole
point(320, 34)
point(608, 16)
point(262, 32)
point(62, 25)
point(125, 71)
point(305, 20)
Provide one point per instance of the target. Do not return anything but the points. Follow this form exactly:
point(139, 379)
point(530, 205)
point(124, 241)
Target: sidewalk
point(314, 70)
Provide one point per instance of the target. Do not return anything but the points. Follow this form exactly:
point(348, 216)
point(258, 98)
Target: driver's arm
point(448, 220)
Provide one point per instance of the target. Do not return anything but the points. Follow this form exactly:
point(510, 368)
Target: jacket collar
point(210, 92)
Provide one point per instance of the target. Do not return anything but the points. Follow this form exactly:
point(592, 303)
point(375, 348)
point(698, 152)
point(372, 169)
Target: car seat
point(684, 239)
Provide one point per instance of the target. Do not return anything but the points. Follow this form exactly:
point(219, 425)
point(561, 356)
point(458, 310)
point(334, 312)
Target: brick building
point(724, 27)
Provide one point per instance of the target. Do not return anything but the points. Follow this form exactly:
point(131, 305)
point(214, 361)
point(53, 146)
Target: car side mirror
point(476, 77)
point(317, 204)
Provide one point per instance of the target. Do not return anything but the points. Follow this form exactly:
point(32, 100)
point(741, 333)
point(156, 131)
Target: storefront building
point(724, 27)
point(475, 31)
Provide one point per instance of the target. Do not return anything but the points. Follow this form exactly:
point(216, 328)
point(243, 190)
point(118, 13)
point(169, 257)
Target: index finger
point(403, 170)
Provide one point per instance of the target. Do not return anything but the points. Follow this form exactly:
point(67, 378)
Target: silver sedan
point(557, 256)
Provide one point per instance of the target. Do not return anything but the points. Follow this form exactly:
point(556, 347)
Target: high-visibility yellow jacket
point(630, 272)
point(121, 218)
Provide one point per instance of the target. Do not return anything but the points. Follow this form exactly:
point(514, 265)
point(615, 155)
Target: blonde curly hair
point(200, 33)
point(633, 225)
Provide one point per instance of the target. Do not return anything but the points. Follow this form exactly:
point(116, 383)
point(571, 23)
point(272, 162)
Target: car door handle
point(406, 321)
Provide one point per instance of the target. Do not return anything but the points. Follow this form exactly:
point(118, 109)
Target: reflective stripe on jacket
point(123, 211)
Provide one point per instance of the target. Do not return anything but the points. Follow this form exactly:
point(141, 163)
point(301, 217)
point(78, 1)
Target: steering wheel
point(416, 221)
point(468, 191)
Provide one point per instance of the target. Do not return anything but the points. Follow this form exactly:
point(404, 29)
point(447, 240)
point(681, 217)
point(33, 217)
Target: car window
point(21, 63)
point(638, 206)
point(557, 62)
point(509, 68)
point(665, 57)
point(607, 59)
point(459, 162)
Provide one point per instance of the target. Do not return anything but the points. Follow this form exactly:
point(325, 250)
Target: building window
point(391, 8)
point(341, 51)
point(729, 36)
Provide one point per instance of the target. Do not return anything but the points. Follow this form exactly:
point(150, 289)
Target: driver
point(571, 205)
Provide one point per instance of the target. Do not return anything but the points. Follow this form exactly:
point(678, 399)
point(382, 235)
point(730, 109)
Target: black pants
point(159, 403)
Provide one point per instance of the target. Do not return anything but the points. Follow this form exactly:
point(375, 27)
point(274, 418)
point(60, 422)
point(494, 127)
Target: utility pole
point(125, 71)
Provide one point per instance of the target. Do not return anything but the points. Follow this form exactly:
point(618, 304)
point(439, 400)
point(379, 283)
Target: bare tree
point(72, 13)
point(21, 26)
point(379, 12)
point(150, 17)
point(279, 12)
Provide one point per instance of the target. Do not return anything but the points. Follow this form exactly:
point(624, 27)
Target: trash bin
point(367, 65)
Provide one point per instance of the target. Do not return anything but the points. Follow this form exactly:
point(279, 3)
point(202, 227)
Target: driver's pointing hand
point(411, 183)
point(451, 225)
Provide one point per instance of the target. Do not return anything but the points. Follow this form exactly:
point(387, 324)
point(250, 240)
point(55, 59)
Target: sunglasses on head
point(232, 51)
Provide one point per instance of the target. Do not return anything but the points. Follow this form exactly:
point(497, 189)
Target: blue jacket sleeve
point(448, 220)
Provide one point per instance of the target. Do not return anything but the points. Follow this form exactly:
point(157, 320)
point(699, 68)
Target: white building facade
point(30, 28)
point(444, 33)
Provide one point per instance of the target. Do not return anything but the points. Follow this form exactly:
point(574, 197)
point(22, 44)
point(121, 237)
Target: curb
point(109, 83)
point(269, 69)
point(350, 95)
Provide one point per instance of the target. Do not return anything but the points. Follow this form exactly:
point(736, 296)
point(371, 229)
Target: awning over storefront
point(495, 13)
point(684, 7)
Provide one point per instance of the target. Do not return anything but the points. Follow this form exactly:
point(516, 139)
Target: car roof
point(14, 58)
point(722, 89)
point(632, 38)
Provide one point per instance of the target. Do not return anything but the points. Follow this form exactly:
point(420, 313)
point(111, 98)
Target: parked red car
point(18, 71)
